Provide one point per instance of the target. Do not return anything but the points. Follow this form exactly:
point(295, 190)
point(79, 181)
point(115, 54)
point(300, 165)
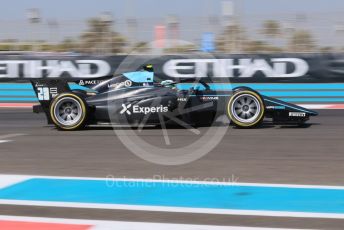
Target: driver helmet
point(148, 67)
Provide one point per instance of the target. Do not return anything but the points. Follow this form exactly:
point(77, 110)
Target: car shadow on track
point(151, 127)
point(291, 126)
point(302, 126)
point(266, 125)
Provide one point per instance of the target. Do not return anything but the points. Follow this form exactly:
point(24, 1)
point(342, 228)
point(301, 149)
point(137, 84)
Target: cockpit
point(141, 78)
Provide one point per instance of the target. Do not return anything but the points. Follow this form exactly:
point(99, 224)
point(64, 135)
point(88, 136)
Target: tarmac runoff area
point(272, 177)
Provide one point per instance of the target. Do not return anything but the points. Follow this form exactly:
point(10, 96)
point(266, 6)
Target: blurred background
point(143, 26)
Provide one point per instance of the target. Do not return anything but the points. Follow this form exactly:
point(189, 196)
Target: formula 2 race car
point(134, 98)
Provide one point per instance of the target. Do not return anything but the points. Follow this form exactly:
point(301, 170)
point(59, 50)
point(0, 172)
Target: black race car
point(134, 98)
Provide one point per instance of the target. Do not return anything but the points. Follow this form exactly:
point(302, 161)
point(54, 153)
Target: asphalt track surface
point(271, 154)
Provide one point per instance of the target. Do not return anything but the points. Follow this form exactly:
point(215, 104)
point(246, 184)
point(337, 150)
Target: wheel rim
point(246, 108)
point(68, 111)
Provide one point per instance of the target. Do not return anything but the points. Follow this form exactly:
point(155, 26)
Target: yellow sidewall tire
point(80, 124)
point(257, 121)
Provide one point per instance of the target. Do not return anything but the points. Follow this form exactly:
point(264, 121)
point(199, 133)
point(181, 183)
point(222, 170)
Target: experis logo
point(129, 109)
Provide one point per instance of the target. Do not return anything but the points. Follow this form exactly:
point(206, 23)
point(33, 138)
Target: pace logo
point(143, 110)
point(89, 82)
point(243, 68)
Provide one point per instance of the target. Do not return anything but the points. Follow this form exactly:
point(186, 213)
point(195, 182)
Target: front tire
point(69, 112)
point(246, 109)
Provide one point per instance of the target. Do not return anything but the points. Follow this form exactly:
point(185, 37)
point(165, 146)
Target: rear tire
point(246, 109)
point(69, 112)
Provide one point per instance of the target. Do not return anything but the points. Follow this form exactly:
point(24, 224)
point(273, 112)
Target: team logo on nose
point(125, 109)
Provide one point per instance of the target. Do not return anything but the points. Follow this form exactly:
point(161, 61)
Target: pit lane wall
point(296, 78)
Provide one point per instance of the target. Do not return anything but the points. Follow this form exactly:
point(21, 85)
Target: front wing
point(286, 113)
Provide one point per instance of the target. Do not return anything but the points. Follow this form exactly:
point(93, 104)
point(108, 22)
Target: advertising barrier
point(297, 78)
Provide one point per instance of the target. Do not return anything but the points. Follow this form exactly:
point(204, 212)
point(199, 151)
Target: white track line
point(125, 225)
point(12, 135)
point(5, 141)
point(8, 180)
point(3, 137)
